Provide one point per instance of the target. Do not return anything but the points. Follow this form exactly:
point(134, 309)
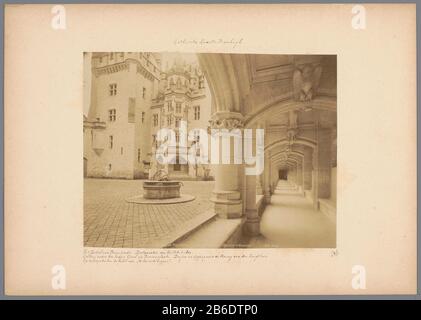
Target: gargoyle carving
point(306, 82)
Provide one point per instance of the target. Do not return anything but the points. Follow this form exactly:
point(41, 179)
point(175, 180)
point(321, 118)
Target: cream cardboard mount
point(334, 210)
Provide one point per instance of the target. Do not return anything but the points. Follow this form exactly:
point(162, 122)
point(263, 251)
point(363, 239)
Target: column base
point(267, 197)
point(252, 226)
point(301, 190)
point(227, 204)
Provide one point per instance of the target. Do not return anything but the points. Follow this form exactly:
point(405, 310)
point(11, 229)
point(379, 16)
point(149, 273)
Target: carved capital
point(226, 120)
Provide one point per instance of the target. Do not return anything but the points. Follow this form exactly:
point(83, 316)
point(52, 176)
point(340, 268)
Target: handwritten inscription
point(162, 256)
point(234, 43)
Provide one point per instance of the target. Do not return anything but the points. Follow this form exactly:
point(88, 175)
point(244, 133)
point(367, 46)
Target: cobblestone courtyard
point(110, 221)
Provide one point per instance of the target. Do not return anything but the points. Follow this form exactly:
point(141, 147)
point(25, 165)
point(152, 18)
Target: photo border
point(203, 297)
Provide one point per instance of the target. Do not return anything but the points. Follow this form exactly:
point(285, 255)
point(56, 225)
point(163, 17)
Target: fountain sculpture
point(160, 187)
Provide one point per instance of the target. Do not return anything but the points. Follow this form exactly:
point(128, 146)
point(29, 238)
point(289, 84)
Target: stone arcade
point(293, 98)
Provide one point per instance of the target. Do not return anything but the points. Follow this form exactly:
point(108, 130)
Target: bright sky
point(169, 57)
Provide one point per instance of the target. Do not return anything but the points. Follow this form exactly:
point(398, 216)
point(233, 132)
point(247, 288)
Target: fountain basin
point(161, 189)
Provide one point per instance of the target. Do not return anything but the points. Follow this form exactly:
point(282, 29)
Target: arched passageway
point(283, 174)
point(293, 99)
point(290, 221)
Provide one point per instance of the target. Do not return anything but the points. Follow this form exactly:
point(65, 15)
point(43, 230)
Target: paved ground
point(110, 221)
point(291, 222)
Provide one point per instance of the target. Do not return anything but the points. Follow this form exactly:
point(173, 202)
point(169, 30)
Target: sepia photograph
point(209, 150)
point(189, 150)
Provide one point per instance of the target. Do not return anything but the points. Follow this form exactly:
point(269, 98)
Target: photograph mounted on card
point(210, 149)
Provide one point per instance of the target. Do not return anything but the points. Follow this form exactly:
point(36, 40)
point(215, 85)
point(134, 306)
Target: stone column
point(307, 168)
point(324, 146)
point(226, 195)
point(315, 179)
point(260, 178)
point(296, 175)
point(292, 176)
point(259, 188)
point(300, 177)
point(271, 178)
point(267, 177)
point(252, 224)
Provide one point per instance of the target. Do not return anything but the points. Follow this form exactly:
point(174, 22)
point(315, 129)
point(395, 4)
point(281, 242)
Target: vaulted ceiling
point(283, 92)
point(256, 84)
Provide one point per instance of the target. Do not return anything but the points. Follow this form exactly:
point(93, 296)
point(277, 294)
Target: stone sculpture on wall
point(306, 82)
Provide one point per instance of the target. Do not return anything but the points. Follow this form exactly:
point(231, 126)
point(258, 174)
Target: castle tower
point(122, 88)
point(182, 98)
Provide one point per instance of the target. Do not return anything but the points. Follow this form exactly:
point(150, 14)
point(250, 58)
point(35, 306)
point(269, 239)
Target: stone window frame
point(155, 120)
point(178, 107)
point(196, 112)
point(196, 135)
point(112, 115)
point(112, 89)
point(201, 83)
point(154, 140)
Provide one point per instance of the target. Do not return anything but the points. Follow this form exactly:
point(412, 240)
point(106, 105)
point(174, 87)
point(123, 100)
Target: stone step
point(213, 234)
point(183, 231)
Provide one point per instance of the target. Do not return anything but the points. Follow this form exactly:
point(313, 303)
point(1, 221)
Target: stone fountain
point(160, 190)
point(159, 186)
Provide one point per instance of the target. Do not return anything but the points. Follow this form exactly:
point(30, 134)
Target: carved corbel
point(306, 81)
